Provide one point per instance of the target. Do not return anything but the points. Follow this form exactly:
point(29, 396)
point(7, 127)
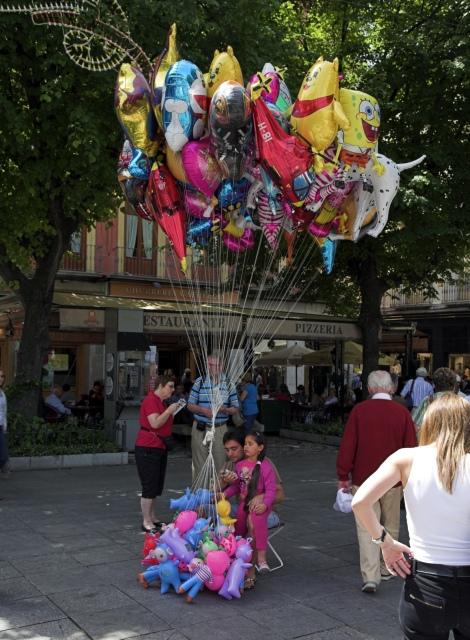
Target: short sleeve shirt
point(145, 438)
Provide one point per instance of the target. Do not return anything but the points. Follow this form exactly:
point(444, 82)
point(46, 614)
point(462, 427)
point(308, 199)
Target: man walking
point(418, 388)
point(376, 428)
point(208, 393)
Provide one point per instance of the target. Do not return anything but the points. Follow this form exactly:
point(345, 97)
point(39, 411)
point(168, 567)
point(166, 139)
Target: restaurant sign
point(306, 330)
point(155, 322)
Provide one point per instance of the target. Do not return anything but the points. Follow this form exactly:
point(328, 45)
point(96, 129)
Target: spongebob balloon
point(224, 66)
point(358, 144)
point(317, 113)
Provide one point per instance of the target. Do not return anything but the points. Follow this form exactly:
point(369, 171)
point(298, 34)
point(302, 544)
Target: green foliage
point(334, 428)
point(34, 437)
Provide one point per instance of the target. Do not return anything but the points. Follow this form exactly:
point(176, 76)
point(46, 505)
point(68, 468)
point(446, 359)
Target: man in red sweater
point(376, 428)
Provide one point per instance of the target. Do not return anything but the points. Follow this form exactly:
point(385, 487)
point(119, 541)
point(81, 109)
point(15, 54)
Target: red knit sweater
point(375, 429)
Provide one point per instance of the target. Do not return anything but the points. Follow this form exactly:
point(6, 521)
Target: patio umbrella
point(352, 354)
point(285, 356)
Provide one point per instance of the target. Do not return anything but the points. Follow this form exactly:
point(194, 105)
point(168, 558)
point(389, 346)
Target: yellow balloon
point(134, 111)
point(165, 60)
point(359, 141)
point(175, 164)
point(317, 113)
point(224, 66)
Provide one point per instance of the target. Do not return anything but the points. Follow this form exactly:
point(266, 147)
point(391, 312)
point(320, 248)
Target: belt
point(442, 570)
point(208, 425)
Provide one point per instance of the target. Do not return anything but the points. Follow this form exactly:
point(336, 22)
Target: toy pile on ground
point(206, 155)
point(198, 549)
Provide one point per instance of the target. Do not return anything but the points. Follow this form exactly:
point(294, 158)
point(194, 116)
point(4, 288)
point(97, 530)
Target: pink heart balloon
point(201, 167)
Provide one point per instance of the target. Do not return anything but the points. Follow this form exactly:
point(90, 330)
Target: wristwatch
point(381, 539)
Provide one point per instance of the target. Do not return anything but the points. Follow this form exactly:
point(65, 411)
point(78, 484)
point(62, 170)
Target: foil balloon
point(231, 128)
point(163, 199)
point(358, 141)
point(134, 111)
point(198, 232)
point(197, 204)
point(328, 252)
point(184, 104)
point(367, 212)
point(317, 113)
point(237, 245)
point(165, 60)
point(139, 166)
point(174, 163)
point(273, 89)
point(270, 220)
point(285, 158)
point(201, 167)
point(224, 66)
point(231, 192)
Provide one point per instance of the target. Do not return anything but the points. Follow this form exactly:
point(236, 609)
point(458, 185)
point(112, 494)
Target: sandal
point(263, 567)
point(249, 583)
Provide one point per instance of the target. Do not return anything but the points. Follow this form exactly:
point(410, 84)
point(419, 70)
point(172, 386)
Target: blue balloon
point(184, 104)
point(231, 192)
point(328, 252)
point(198, 231)
point(139, 166)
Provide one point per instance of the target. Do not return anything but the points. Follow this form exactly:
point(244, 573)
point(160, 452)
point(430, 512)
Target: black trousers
point(432, 606)
point(151, 467)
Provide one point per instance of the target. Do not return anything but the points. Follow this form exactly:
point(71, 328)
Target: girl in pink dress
point(257, 489)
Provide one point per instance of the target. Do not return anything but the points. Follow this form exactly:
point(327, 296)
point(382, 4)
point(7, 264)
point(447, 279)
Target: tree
point(57, 158)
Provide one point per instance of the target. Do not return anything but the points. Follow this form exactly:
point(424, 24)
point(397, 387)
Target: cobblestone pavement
point(70, 545)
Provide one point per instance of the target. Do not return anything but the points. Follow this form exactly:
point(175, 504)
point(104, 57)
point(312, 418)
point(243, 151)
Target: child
point(255, 476)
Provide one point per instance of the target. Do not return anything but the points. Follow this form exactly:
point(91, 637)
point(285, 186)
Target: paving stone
point(104, 555)
point(56, 630)
point(54, 561)
point(66, 579)
point(228, 628)
point(91, 599)
point(16, 588)
point(123, 622)
point(292, 621)
point(21, 613)
point(340, 633)
point(7, 570)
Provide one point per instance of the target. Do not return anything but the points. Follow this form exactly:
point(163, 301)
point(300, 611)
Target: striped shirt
point(207, 394)
point(421, 389)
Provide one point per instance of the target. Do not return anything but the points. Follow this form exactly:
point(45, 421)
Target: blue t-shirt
point(250, 403)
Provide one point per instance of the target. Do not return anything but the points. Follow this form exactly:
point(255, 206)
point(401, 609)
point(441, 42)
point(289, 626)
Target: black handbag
point(169, 442)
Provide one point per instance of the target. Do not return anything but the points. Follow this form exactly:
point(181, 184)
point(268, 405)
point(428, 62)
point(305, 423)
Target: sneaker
point(369, 587)
point(386, 576)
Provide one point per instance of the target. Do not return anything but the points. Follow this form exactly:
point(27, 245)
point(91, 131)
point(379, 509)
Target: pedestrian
point(415, 390)
point(255, 477)
point(375, 429)
point(249, 400)
point(4, 458)
point(209, 393)
point(151, 454)
point(396, 397)
point(445, 381)
point(436, 566)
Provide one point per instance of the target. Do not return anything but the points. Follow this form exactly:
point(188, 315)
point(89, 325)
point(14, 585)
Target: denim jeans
point(431, 606)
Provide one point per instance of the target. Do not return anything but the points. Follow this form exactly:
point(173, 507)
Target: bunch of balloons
point(205, 154)
point(195, 551)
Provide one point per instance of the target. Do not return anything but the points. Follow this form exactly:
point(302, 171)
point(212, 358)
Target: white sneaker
point(369, 587)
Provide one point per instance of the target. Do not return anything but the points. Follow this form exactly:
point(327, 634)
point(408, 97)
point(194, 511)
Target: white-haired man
point(376, 428)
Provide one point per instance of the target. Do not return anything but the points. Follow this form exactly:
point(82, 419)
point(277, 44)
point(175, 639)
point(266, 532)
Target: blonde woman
point(436, 480)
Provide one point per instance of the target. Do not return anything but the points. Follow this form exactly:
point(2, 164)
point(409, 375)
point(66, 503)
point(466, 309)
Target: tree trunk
point(370, 317)
point(34, 346)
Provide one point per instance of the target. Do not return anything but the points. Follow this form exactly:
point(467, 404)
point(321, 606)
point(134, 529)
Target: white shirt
point(438, 521)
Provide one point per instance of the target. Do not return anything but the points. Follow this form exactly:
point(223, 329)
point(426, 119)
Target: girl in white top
point(436, 481)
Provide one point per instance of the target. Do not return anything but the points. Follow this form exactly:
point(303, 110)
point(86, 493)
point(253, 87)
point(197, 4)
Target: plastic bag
point(343, 501)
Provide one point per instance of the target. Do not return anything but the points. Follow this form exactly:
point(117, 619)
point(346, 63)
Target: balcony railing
point(89, 260)
point(446, 293)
